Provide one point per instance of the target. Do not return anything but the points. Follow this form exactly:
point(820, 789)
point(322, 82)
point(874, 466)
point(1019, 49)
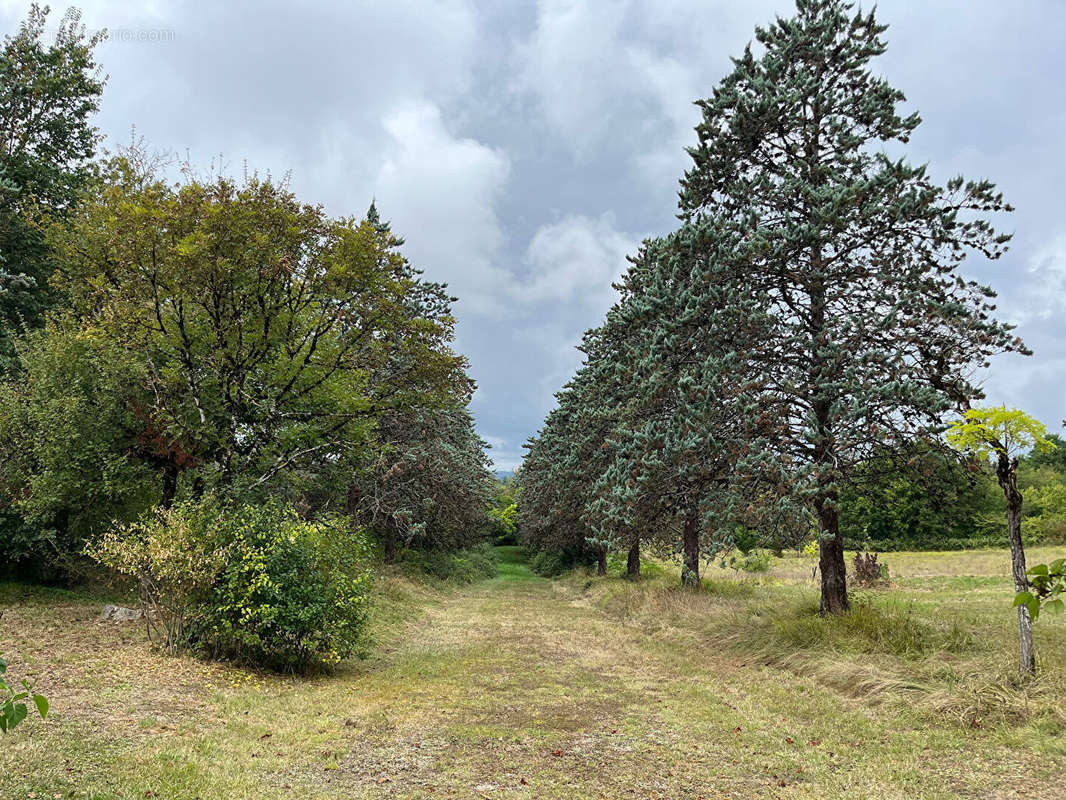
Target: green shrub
point(459, 566)
point(174, 556)
point(292, 593)
point(253, 583)
point(13, 700)
point(752, 561)
point(553, 563)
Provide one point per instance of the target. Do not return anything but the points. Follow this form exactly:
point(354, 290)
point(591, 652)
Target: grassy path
point(517, 687)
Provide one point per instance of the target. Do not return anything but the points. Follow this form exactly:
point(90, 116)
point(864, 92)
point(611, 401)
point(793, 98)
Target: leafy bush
point(255, 583)
point(68, 445)
point(461, 566)
point(292, 593)
point(13, 707)
point(175, 557)
point(553, 563)
point(753, 561)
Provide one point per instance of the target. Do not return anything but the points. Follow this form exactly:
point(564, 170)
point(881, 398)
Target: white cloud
point(571, 264)
point(440, 192)
point(1044, 295)
point(576, 259)
point(622, 75)
point(570, 64)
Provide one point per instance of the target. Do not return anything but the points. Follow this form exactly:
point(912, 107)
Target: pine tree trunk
point(690, 570)
point(601, 561)
point(1007, 472)
point(831, 561)
point(170, 484)
point(834, 571)
point(633, 561)
point(390, 543)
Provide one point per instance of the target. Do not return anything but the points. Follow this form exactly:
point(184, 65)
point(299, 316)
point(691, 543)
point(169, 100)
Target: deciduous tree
point(1001, 435)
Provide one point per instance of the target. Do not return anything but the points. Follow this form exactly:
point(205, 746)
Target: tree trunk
point(390, 543)
point(170, 484)
point(831, 560)
point(1007, 472)
point(601, 561)
point(633, 561)
point(822, 376)
point(690, 570)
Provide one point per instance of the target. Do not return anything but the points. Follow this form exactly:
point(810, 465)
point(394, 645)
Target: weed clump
point(458, 566)
point(866, 571)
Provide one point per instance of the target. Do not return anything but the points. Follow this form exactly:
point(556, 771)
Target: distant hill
point(504, 474)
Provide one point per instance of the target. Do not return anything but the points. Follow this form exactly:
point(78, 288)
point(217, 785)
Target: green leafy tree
point(871, 331)
point(1052, 456)
point(75, 452)
point(1001, 435)
point(426, 482)
point(919, 496)
point(270, 335)
point(219, 336)
point(503, 511)
point(50, 87)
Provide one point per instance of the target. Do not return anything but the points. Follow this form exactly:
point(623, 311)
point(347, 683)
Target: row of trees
point(807, 318)
point(173, 346)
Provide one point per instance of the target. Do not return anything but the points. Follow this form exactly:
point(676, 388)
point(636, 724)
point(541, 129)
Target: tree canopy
point(48, 94)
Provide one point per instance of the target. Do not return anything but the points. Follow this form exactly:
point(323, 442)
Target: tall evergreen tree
point(646, 446)
point(679, 474)
point(872, 331)
point(561, 466)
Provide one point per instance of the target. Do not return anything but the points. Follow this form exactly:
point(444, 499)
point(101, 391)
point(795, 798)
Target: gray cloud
point(524, 148)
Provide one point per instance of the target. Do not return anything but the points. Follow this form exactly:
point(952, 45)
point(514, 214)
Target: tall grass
point(945, 650)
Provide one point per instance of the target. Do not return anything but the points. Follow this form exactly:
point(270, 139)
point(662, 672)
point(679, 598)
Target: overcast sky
point(524, 148)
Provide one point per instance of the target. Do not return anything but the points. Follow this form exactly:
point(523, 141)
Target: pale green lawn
point(577, 688)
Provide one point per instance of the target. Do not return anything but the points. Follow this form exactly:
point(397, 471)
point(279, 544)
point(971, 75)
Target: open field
point(578, 688)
